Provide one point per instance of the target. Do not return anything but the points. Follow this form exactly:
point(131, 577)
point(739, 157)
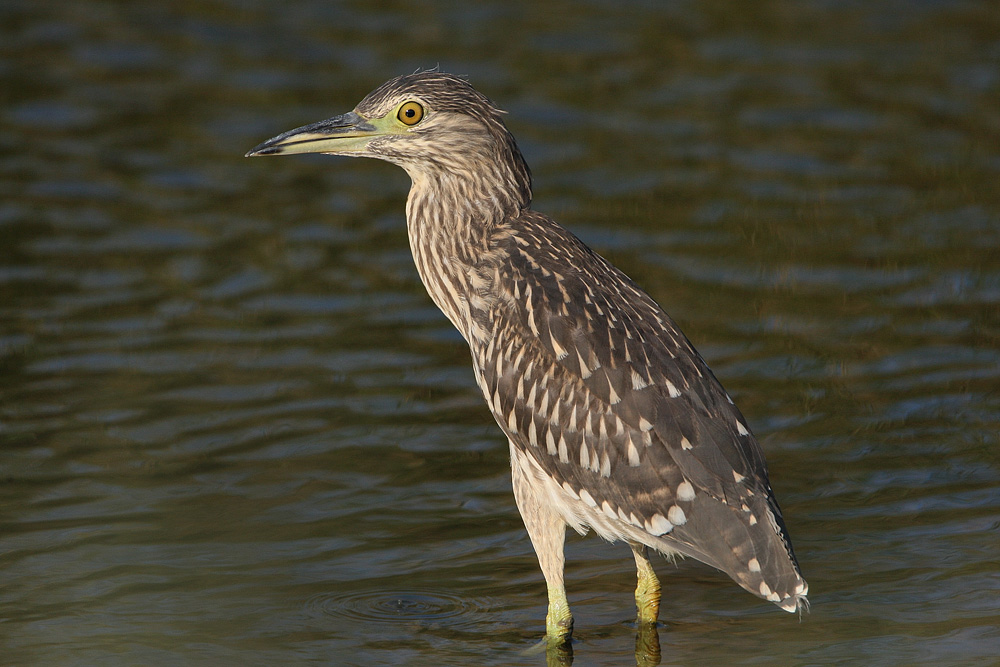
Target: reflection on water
point(233, 429)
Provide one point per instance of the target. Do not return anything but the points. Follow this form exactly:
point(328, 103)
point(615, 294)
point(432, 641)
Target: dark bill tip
point(263, 149)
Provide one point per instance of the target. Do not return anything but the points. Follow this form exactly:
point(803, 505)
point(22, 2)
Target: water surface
point(234, 429)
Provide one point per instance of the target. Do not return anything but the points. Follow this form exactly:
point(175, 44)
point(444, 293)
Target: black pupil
point(410, 113)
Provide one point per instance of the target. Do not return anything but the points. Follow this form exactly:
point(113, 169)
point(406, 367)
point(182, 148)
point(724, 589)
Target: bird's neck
point(450, 224)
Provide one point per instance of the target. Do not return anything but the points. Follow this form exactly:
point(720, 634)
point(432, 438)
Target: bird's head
point(434, 125)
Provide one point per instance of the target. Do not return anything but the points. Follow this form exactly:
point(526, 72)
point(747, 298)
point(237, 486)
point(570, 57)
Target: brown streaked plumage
point(615, 422)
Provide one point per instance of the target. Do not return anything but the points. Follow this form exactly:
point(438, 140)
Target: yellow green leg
point(647, 590)
point(547, 531)
point(647, 604)
point(559, 620)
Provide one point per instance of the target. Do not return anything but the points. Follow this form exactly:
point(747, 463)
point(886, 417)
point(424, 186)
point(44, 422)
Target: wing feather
point(591, 378)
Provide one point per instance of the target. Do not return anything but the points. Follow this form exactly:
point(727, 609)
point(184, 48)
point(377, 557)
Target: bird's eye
point(410, 113)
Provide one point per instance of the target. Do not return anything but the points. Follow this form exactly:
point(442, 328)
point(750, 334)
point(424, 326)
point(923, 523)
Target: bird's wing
point(588, 376)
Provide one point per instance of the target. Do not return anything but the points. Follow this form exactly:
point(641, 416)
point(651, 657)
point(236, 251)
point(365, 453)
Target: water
point(234, 430)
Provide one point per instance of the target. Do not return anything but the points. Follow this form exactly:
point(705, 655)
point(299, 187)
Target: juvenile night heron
point(615, 422)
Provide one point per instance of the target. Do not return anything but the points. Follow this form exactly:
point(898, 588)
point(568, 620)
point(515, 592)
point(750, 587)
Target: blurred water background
point(235, 431)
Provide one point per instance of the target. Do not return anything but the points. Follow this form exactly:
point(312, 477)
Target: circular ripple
point(379, 606)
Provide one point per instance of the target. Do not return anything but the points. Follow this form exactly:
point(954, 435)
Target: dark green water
point(235, 431)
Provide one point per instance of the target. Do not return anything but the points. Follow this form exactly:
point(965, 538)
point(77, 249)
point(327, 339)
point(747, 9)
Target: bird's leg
point(559, 619)
point(547, 531)
point(647, 590)
point(548, 534)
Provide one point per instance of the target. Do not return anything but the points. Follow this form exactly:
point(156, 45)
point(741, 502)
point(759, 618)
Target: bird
point(614, 422)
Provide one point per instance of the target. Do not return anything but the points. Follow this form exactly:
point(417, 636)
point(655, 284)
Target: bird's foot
point(557, 643)
point(647, 599)
point(647, 611)
point(556, 654)
point(559, 653)
point(559, 619)
point(558, 628)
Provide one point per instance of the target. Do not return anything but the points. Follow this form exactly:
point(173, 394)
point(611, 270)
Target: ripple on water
point(392, 606)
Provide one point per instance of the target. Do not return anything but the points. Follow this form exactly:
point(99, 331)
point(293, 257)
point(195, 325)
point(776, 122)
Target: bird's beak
point(348, 134)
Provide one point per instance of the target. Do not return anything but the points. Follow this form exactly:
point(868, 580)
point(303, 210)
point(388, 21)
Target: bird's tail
point(754, 549)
